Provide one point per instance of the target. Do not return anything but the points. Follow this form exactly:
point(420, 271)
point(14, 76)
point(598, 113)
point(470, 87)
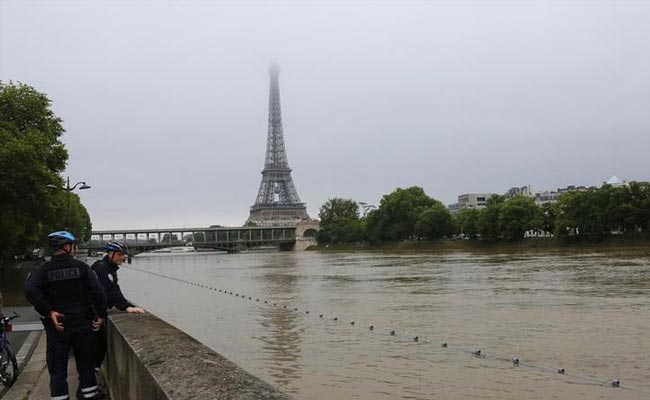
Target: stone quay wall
point(151, 359)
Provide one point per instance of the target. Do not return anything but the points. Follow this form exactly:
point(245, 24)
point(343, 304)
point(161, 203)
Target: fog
point(165, 103)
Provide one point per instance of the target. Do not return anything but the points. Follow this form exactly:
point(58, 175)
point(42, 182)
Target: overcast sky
point(165, 103)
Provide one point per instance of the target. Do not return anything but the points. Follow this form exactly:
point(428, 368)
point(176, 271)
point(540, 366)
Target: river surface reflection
point(585, 312)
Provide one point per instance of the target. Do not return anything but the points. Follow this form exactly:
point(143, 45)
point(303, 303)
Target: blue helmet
point(56, 240)
point(120, 247)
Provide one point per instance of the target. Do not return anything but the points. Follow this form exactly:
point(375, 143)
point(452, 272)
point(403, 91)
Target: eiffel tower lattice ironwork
point(277, 200)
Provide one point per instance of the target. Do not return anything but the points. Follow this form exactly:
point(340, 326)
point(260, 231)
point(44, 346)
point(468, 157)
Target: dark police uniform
point(107, 273)
point(68, 286)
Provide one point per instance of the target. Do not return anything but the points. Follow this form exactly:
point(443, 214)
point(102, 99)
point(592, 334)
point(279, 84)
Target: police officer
point(66, 292)
point(106, 270)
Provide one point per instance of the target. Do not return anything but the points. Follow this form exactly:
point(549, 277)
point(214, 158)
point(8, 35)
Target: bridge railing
point(194, 235)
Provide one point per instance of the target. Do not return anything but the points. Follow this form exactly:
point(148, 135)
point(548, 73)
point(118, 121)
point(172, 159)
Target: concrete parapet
point(150, 359)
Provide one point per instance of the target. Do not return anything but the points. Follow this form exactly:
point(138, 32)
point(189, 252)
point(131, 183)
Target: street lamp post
point(69, 190)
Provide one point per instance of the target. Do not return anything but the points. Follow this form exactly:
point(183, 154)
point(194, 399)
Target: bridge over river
point(230, 239)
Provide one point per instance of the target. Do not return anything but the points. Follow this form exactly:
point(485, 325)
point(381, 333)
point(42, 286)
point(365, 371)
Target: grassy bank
point(617, 242)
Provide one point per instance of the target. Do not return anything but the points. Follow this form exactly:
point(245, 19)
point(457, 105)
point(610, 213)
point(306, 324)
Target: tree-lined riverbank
point(546, 244)
point(409, 214)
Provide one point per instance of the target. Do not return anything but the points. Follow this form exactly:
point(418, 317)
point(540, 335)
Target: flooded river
point(585, 312)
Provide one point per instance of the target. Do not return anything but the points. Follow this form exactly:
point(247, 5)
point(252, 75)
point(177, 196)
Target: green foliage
point(488, 220)
point(338, 209)
point(31, 158)
point(397, 215)
point(639, 193)
point(595, 214)
point(435, 222)
point(517, 216)
point(467, 222)
point(549, 216)
point(25, 113)
point(340, 222)
point(73, 214)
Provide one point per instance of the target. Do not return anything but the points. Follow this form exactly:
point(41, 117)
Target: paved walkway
point(34, 381)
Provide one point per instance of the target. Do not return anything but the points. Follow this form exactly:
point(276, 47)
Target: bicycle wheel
point(8, 367)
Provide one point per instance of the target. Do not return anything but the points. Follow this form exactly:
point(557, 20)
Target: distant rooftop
point(614, 180)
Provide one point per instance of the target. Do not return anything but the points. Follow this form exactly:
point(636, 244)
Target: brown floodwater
point(585, 312)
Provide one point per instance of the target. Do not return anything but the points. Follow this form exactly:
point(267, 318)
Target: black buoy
point(416, 338)
point(307, 312)
point(336, 318)
point(320, 316)
point(352, 323)
point(477, 352)
point(392, 333)
point(515, 361)
point(561, 371)
point(295, 309)
point(444, 344)
point(371, 327)
point(615, 383)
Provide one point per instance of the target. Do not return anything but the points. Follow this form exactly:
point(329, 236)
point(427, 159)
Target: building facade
point(473, 200)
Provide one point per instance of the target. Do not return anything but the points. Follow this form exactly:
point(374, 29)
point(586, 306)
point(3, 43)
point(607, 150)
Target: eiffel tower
point(277, 200)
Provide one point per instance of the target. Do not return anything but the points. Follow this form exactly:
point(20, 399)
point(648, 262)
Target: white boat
point(176, 250)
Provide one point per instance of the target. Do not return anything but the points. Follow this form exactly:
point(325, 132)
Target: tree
point(619, 212)
point(467, 222)
point(640, 202)
point(549, 216)
point(435, 222)
point(518, 215)
point(397, 214)
point(337, 209)
point(593, 213)
point(339, 221)
point(78, 219)
point(31, 158)
point(488, 221)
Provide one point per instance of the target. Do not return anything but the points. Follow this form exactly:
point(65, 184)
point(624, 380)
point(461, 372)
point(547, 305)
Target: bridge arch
point(307, 229)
